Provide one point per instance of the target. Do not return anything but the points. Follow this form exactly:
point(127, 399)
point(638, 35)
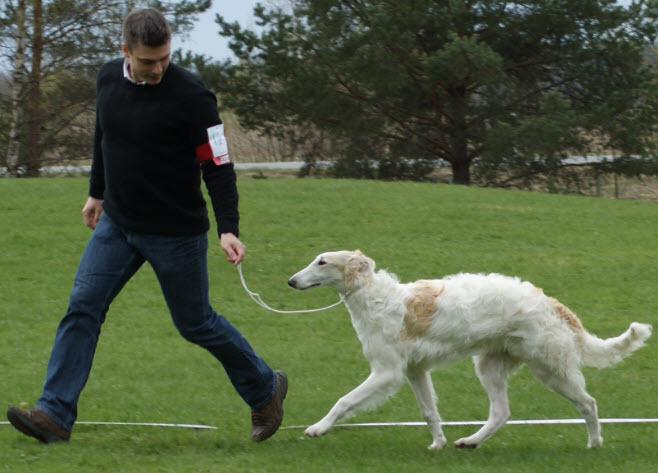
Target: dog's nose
point(292, 283)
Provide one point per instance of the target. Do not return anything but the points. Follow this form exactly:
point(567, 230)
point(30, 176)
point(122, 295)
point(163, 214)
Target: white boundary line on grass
point(153, 424)
point(383, 424)
point(480, 422)
point(144, 424)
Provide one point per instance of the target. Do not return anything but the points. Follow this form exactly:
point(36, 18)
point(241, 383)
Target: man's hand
point(233, 248)
point(92, 211)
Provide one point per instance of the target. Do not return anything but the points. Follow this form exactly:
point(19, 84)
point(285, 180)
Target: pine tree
point(513, 84)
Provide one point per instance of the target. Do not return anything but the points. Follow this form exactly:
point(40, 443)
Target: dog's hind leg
point(493, 369)
point(377, 387)
point(572, 386)
point(421, 383)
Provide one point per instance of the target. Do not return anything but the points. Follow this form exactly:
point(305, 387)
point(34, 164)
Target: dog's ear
point(358, 269)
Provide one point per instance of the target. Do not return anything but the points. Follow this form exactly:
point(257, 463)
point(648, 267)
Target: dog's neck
point(365, 305)
point(362, 301)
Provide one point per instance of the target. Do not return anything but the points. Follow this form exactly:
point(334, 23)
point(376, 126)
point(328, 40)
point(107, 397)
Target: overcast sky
point(205, 38)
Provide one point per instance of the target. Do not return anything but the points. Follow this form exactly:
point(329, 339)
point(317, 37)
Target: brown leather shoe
point(266, 420)
point(36, 423)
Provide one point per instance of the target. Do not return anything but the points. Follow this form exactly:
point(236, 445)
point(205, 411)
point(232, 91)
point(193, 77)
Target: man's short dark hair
point(146, 26)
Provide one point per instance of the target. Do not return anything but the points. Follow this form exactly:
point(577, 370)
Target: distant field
point(597, 256)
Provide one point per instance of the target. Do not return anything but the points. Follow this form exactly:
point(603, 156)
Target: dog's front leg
point(376, 388)
point(421, 383)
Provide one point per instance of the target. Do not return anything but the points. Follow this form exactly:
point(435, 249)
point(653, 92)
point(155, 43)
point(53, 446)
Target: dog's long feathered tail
point(599, 353)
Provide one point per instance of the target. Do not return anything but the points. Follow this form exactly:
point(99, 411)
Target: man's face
point(148, 64)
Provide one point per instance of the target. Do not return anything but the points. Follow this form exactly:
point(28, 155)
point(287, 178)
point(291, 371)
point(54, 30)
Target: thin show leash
point(258, 300)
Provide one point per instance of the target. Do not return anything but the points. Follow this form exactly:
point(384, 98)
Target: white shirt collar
point(126, 72)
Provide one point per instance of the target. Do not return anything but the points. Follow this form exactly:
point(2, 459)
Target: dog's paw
point(466, 442)
point(595, 442)
point(437, 444)
point(316, 430)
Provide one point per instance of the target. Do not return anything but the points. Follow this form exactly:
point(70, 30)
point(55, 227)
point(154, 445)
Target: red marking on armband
point(219, 160)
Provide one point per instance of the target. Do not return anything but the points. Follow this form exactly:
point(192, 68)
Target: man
point(157, 132)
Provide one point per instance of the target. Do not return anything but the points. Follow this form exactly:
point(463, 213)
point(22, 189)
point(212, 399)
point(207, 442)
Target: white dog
point(502, 322)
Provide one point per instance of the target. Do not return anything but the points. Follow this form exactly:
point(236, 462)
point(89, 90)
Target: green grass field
point(597, 256)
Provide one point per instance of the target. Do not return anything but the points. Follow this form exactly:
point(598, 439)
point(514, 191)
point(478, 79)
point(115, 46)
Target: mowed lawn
point(599, 257)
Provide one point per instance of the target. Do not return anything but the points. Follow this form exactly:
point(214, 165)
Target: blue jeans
point(112, 256)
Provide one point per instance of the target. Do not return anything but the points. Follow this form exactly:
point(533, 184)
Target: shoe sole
point(18, 420)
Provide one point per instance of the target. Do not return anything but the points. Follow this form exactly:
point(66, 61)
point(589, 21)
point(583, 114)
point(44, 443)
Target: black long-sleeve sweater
point(148, 147)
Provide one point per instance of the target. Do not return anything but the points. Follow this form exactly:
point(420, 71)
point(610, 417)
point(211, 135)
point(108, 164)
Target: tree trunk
point(17, 90)
point(461, 172)
point(461, 164)
point(33, 115)
point(460, 161)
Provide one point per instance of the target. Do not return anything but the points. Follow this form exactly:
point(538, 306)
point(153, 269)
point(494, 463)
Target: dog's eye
point(322, 262)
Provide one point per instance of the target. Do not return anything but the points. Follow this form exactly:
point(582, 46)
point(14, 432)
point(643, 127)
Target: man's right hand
point(92, 211)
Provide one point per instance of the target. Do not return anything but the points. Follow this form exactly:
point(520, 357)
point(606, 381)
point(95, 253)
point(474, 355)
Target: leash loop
point(258, 300)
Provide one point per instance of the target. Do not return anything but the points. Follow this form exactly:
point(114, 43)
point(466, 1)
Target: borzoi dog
point(502, 322)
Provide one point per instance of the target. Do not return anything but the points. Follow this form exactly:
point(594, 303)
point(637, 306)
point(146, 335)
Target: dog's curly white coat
point(502, 322)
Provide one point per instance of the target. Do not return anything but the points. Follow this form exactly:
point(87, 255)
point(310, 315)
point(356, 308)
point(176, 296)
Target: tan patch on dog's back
point(565, 314)
point(420, 307)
